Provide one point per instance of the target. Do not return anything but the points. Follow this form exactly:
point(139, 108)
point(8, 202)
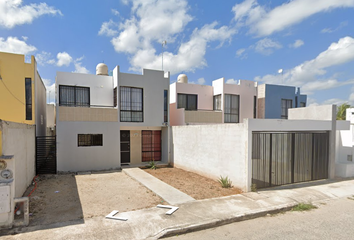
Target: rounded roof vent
point(182, 78)
point(102, 69)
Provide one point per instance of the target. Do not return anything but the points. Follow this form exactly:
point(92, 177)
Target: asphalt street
point(333, 219)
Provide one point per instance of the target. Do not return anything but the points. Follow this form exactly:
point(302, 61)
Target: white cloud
point(232, 81)
point(79, 68)
point(190, 55)
point(266, 46)
point(298, 43)
point(13, 13)
point(50, 86)
point(115, 12)
point(264, 22)
point(241, 53)
point(329, 30)
point(109, 28)
point(64, 59)
point(14, 45)
point(155, 21)
point(44, 58)
point(311, 75)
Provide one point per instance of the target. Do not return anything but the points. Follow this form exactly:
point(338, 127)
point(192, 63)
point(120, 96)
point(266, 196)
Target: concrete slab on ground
point(165, 191)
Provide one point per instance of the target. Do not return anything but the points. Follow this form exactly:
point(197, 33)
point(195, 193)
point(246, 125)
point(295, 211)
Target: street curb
point(169, 232)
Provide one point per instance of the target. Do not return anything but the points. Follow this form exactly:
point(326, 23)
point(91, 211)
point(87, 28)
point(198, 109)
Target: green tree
point(341, 111)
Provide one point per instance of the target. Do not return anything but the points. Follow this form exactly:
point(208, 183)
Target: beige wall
point(135, 146)
point(203, 117)
point(19, 140)
point(83, 114)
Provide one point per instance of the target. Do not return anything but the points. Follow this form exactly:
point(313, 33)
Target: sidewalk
point(153, 223)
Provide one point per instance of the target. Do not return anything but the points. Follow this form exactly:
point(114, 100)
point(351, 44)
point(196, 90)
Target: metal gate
point(285, 158)
point(46, 155)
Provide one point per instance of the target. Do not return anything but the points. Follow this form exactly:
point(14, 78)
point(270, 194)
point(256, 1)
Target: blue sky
point(311, 40)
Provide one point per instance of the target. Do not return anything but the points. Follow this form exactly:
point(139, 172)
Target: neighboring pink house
point(219, 103)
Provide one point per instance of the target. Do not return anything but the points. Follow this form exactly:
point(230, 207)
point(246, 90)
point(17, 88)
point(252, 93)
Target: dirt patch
point(61, 198)
point(194, 185)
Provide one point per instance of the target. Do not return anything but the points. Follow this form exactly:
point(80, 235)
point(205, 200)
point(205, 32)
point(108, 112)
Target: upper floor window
point(285, 105)
point(131, 104)
point(231, 108)
point(28, 93)
point(302, 104)
point(115, 97)
point(74, 96)
point(254, 106)
point(187, 101)
point(217, 102)
point(165, 105)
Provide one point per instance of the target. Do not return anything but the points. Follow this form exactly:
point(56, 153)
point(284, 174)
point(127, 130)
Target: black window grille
point(187, 101)
point(88, 140)
point(165, 105)
point(28, 92)
point(217, 102)
point(74, 96)
point(131, 104)
point(115, 97)
point(285, 105)
point(255, 107)
point(231, 108)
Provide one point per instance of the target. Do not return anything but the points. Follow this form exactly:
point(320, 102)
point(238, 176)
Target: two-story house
point(275, 100)
point(104, 121)
point(219, 103)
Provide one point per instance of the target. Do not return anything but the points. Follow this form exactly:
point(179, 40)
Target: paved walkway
point(166, 192)
point(153, 223)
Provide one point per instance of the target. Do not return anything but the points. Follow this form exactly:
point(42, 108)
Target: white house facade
point(106, 121)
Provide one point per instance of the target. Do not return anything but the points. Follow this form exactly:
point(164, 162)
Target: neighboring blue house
point(275, 100)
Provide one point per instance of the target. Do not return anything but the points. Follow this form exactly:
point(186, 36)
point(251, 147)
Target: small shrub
point(304, 207)
point(152, 165)
point(254, 187)
point(225, 182)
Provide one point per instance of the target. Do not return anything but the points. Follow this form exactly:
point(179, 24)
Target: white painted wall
point(212, 150)
point(72, 158)
point(324, 112)
point(50, 115)
point(19, 140)
point(101, 87)
point(40, 105)
point(154, 83)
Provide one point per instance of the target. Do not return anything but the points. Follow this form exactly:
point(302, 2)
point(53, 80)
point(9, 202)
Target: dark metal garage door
point(285, 158)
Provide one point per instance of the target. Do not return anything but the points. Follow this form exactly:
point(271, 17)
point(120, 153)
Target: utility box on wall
point(7, 191)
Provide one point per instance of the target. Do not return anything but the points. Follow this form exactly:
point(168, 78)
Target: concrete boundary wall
point(18, 139)
point(212, 151)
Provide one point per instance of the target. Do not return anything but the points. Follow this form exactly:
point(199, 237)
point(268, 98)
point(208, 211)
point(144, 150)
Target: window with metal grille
point(231, 108)
point(165, 105)
point(217, 102)
point(187, 101)
point(115, 97)
point(302, 104)
point(151, 145)
point(28, 92)
point(255, 107)
point(131, 104)
point(285, 105)
point(74, 96)
point(88, 140)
